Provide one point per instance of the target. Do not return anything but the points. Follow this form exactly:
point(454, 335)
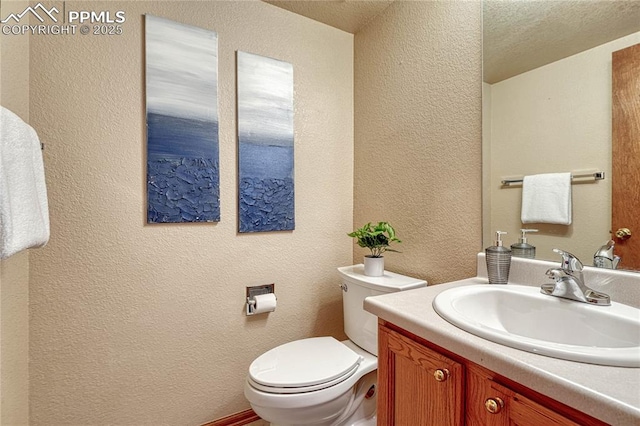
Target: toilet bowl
point(316, 381)
point(321, 381)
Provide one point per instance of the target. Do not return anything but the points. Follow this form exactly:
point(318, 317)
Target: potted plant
point(377, 239)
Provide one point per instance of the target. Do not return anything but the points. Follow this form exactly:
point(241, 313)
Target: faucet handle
point(570, 263)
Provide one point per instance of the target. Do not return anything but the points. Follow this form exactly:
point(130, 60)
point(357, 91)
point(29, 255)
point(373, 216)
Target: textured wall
point(418, 135)
point(486, 164)
point(136, 324)
point(556, 118)
point(14, 271)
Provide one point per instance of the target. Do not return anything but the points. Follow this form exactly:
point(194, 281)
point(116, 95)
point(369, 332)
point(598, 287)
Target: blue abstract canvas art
point(265, 144)
point(183, 178)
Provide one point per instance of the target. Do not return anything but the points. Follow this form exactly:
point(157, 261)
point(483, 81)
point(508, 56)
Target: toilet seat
point(291, 390)
point(303, 366)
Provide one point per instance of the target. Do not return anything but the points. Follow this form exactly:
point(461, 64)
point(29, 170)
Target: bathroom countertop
point(606, 393)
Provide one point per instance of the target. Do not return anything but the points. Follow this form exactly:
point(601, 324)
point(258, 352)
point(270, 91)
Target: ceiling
point(518, 35)
point(347, 15)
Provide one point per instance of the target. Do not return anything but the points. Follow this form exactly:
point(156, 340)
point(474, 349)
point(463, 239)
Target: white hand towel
point(24, 210)
point(546, 198)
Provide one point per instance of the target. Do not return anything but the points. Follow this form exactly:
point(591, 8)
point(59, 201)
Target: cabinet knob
point(441, 374)
point(494, 405)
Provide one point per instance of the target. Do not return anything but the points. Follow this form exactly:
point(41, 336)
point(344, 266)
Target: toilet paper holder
point(254, 291)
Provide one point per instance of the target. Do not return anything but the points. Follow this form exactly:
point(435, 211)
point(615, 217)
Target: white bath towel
point(24, 210)
point(546, 198)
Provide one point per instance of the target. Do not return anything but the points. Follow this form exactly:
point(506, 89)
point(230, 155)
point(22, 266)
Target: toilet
point(322, 381)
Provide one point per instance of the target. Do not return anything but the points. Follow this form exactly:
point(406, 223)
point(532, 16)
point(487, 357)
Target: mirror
point(547, 108)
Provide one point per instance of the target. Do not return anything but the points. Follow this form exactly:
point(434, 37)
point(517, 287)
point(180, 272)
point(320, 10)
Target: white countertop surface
point(611, 394)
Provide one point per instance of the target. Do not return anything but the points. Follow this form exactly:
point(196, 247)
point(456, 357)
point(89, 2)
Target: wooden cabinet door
point(480, 388)
point(625, 180)
point(416, 385)
point(491, 404)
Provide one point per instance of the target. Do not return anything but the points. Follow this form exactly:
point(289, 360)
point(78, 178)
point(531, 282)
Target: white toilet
point(321, 381)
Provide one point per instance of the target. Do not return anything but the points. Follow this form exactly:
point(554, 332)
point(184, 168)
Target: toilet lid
point(304, 363)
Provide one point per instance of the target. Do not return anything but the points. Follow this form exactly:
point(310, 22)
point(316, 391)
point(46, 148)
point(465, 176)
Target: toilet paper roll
point(264, 303)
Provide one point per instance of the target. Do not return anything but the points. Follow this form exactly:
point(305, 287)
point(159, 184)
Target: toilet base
point(372, 421)
point(363, 411)
point(359, 411)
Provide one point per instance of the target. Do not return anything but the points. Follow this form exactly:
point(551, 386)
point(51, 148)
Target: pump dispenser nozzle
point(523, 235)
point(499, 235)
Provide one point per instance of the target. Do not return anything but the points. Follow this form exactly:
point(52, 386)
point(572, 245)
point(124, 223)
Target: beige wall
point(486, 161)
point(134, 324)
point(556, 118)
point(418, 135)
point(14, 272)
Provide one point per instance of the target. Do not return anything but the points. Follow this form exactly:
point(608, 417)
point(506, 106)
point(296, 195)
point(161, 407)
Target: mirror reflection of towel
point(546, 198)
point(24, 209)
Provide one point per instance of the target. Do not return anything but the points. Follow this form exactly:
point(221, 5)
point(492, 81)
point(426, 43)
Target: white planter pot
point(373, 266)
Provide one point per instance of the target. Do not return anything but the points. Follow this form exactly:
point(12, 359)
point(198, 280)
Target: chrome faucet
point(569, 282)
point(604, 257)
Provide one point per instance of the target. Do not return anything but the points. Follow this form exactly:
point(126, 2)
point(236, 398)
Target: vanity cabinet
point(420, 384)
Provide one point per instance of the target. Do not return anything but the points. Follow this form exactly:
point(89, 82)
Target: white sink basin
point(523, 318)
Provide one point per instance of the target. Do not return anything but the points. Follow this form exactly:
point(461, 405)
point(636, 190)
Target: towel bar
point(590, 175)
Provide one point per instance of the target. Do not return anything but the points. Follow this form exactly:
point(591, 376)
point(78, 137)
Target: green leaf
point(376, 238)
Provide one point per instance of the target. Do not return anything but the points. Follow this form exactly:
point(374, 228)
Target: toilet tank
point(360, 326)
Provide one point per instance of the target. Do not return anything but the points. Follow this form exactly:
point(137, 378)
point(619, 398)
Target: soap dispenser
point(522, 248)
point(498, 260)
